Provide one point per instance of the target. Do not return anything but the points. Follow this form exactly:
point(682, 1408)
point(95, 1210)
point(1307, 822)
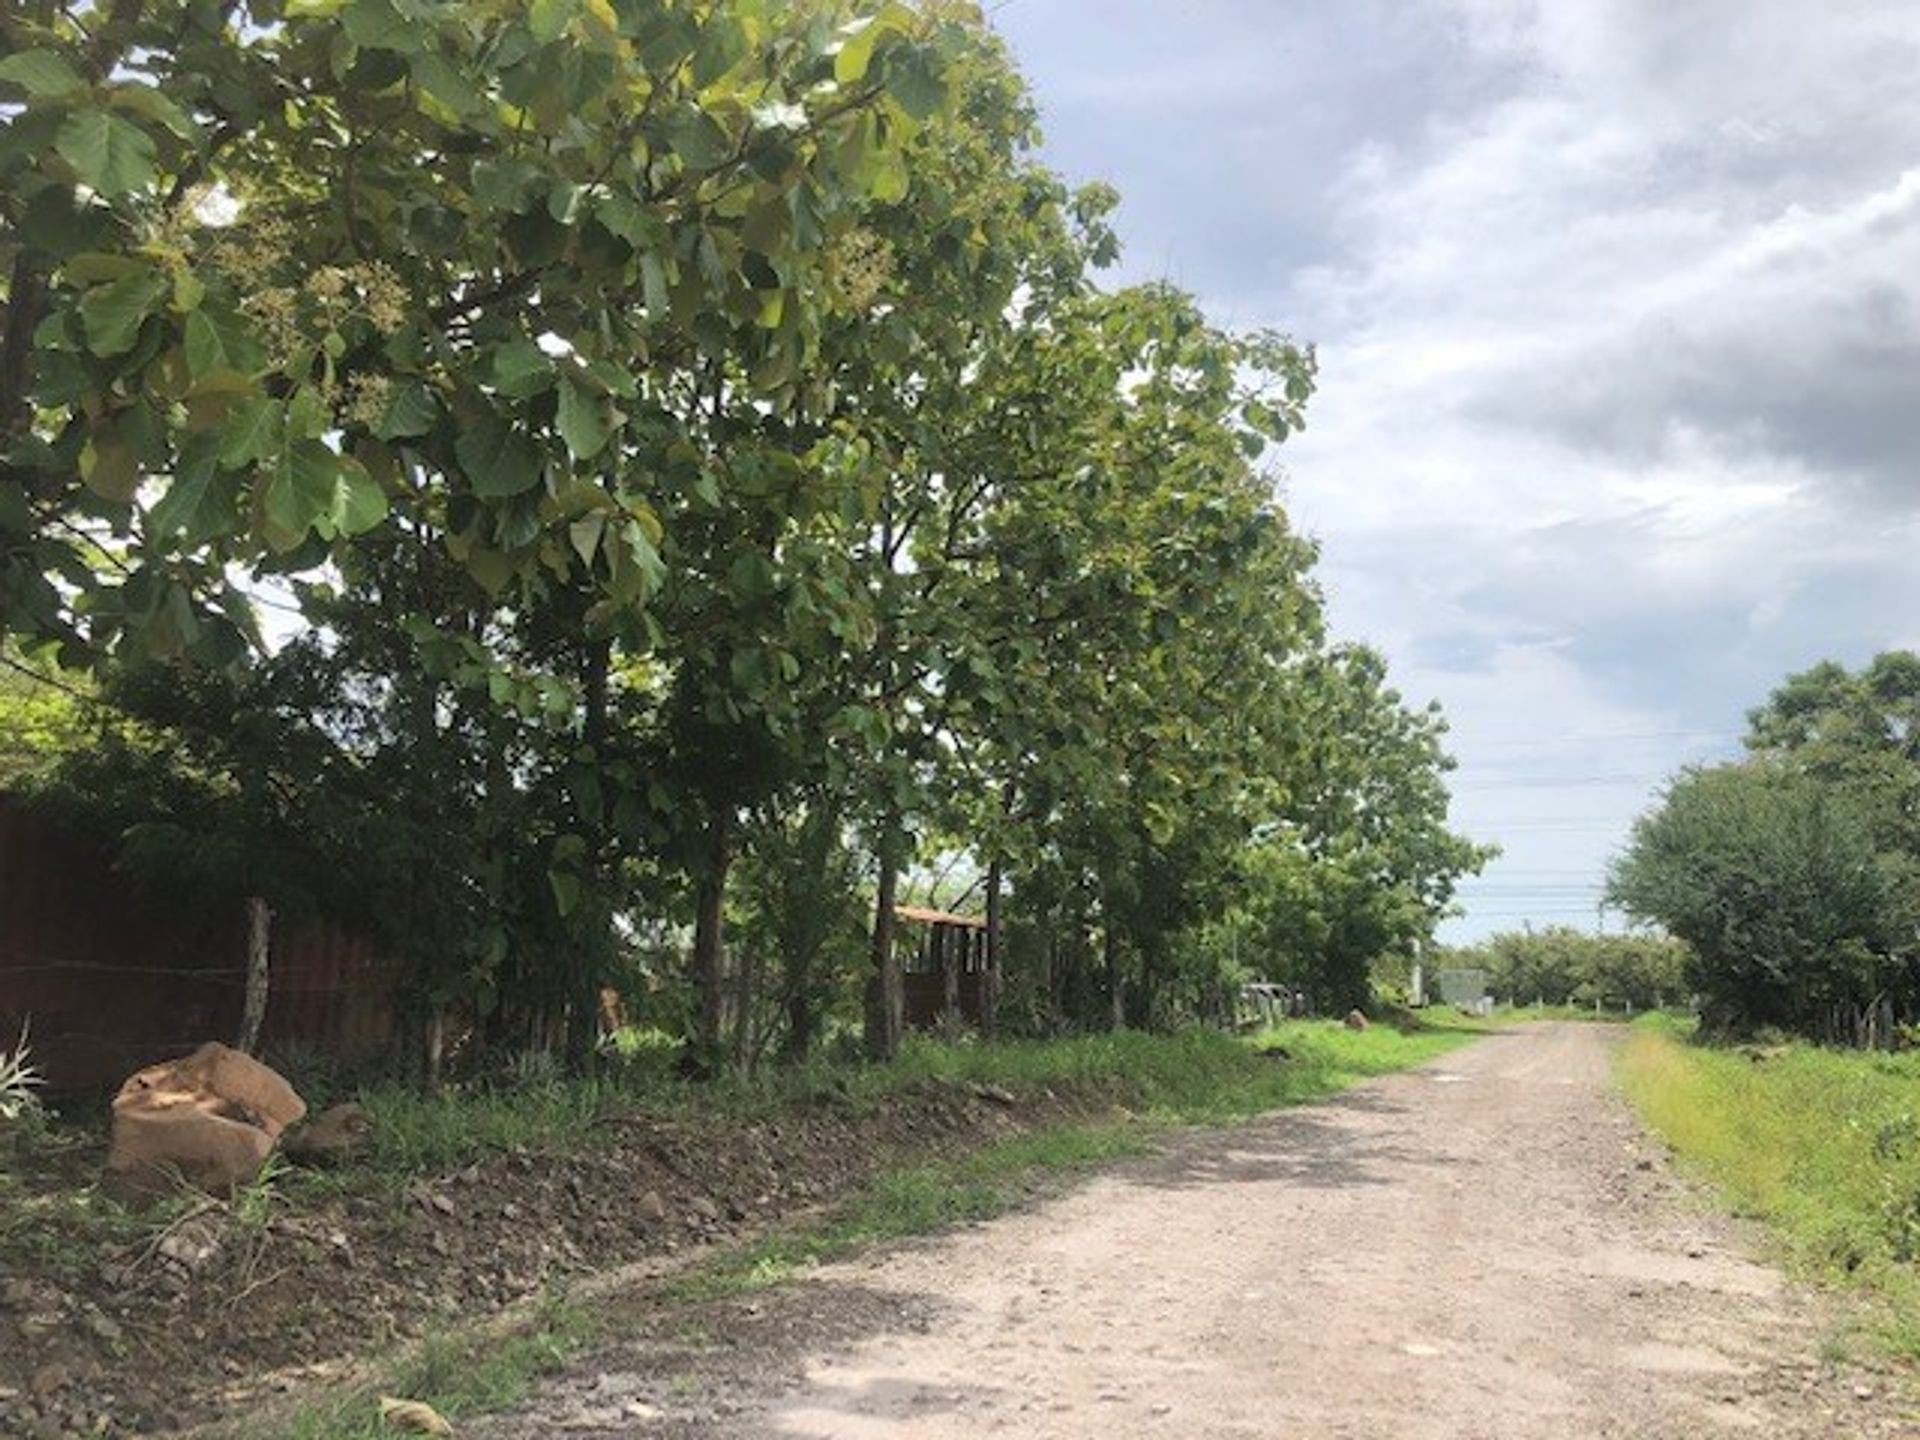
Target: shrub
point(1776, 883)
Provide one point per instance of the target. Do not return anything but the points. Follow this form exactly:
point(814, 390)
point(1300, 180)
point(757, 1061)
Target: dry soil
point(1486, 1247)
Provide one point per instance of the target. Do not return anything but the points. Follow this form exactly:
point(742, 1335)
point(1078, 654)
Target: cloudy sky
point(1618, 305)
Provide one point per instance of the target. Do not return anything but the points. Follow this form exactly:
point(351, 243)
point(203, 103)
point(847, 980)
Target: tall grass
point(1822, 1145)
point(1196, 1075)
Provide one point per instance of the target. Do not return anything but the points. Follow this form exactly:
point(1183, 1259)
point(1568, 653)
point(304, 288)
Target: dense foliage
point(1794, 876)
point(709, 481)
point(1560, 965)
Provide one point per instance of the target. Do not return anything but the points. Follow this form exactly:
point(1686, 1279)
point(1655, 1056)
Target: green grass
point(1821, 1145)
point(1195, 1075)
point(1199, 1077)
point(1519, 1014)
point(918, 1200)
point(48, 1222)
point(460, 1375)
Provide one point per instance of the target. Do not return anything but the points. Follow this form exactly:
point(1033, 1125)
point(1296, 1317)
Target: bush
point(1775, 881)
point(1563, 966)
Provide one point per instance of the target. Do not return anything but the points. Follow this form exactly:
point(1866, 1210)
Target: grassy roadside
point(1823, 1146)
point(54, 1220)
point(1196, 1076)
point(1520, 1014)
point(1157, 1082)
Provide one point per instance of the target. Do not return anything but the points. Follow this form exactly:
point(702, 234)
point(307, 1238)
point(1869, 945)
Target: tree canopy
point(710, 478)
point(1795, 875)
point(1559, 965)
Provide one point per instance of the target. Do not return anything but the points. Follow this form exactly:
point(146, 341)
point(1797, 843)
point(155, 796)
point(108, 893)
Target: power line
point(1608, 737)
point(1556, 782)
point(1546, 826)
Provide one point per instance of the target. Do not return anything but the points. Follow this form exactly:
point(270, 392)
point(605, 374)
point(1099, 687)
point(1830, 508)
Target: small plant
point(534, 1070)
point(20, 1080)
point(253, 1202)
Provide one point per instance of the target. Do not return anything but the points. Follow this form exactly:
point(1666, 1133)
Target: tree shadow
point(1317, 1148)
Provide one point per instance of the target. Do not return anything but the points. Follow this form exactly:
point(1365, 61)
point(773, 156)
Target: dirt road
point(1483, 1248)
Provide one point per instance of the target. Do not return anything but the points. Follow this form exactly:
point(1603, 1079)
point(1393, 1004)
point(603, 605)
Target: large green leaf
point(113, 313)
point(359, 504)
point(548, 19)
point(43, 74)
point(253, 431)
point(411, 411)
point(378, 26)
point(439, 78)
point(585, 534)
point(634, 223)
point(201, 499)
point(914, 81)
point(497, 460)
point(220, 341)
point(520, 369)
point(300, 493)
point(110, 153)
point(584, 419)
point(856, 50)
point(700, 141)
point(109, 465)
point(155, 105)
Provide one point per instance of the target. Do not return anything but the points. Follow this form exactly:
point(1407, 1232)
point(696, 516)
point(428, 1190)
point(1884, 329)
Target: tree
point(1560, 965)
point(1775, 882)
point(1858, 731)
point(1356, 860)
point(279, 280)
point(708, 471)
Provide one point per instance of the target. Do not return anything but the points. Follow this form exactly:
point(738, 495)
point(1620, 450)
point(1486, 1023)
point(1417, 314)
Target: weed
point(459, 1374)
point(20, 1082)
point(1820, 1145)
point(254, 1202)
point(1197, 1074)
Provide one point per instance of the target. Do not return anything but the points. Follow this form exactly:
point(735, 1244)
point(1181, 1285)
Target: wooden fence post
point(991, 960)
point(253, 1013)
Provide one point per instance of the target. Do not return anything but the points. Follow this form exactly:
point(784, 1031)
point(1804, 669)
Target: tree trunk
point(743, 987)
point(990, 976)
point(253, 1013)
point(583, 1003)
point(710, 941)
point(799, 1037)
point(885, 1001)
point(805, 930)
point(433, 1049)
point(1116, 987)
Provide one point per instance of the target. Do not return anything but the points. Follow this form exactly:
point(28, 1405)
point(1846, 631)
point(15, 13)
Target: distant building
point(1464, 988)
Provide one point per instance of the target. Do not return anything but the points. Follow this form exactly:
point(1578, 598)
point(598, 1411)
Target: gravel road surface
point(1484, 1249)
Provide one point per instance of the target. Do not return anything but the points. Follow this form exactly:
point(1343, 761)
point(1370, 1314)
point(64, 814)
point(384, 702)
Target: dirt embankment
point(1487, 1249)
point(200, 1318)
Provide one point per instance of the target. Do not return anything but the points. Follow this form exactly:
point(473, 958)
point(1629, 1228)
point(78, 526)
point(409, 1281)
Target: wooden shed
point(949, 969)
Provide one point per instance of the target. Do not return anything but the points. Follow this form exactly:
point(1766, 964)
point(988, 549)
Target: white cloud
point(1619, 311)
